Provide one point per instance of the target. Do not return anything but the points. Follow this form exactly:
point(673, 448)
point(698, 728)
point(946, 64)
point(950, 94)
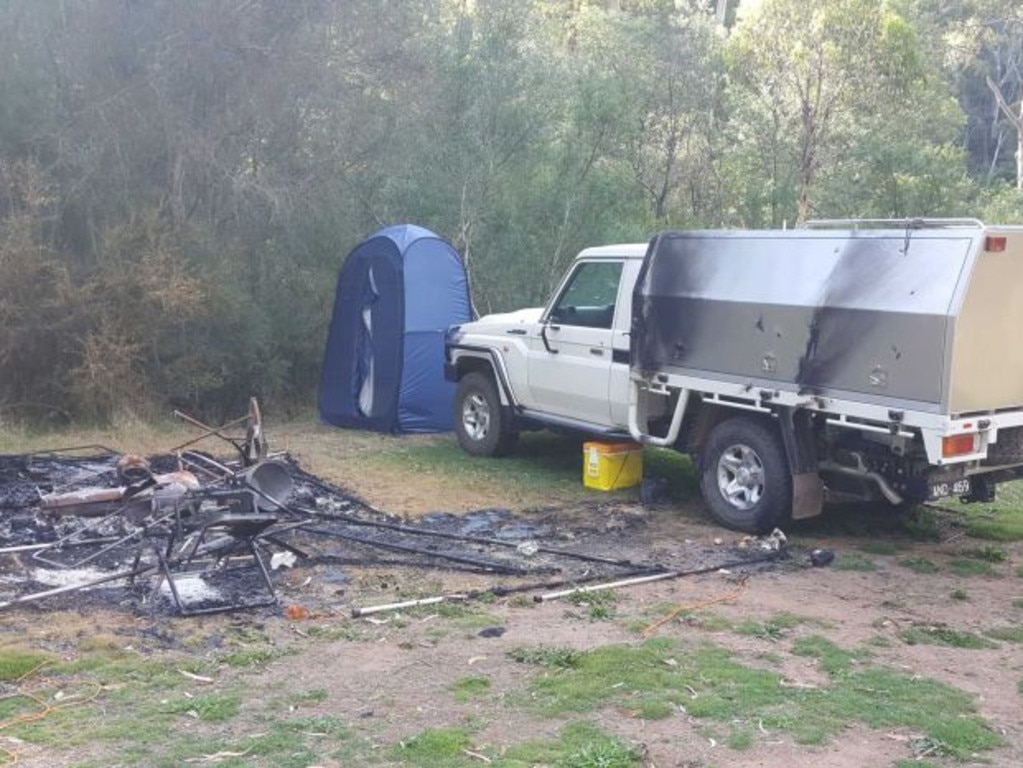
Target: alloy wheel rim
point(740, 476)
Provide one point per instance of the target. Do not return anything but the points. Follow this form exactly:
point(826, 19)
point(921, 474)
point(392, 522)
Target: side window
point(589, 297)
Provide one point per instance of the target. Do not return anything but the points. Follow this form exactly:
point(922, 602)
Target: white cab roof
point(622, 250)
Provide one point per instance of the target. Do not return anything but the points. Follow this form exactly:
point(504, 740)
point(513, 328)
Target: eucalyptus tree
point(805, 78)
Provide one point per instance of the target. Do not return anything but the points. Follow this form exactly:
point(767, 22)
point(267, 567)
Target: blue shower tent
point(383, 367)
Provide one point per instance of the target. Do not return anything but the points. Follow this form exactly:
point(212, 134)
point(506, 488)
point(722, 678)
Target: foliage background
point(181, 179)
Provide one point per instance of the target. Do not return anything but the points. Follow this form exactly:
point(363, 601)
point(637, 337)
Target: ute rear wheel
point(744, 475)
point(481, 425)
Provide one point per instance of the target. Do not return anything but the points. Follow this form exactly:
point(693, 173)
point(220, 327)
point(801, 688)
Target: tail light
point(994, 244)
point(958, 445)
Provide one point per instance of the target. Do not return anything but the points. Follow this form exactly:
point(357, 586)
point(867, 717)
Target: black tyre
point(744, 475)
point(481, 425)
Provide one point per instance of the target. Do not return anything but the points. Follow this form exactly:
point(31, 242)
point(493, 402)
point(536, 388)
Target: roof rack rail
point(911, 223)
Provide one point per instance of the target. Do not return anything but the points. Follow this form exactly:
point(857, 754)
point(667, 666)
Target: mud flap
point(807, 495)
point(801, 450)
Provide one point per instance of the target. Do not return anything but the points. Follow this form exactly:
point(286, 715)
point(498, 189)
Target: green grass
point(678, 470)
point(252, 657)
point(599, 604)
point(16, 664)
point(209, 708)
point(987, 553)
point(946, 636)
point(467, 688)
point(831, 659)
point(882, 547)
point(580, 745)
point(919, 565)
point(549, 464)
point(433, 747)
point(773, 629)
point(294, 742)
point(922, 524)
point(558, 658)
point(999, 521)
point(709, 683)
point(854, 561)
point(1012, 634)
point(967, 567)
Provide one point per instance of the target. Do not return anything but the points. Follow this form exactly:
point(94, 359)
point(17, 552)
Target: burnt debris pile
point(188, 532)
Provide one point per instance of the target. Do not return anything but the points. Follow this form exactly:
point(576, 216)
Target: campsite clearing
point(897, 654)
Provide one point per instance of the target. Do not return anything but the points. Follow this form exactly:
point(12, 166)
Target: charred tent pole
point(130, 575)
point(634, 578)
point(628, 582)
point(36, 547)
point(485, 565)
point(358, 613)
point(419, 531)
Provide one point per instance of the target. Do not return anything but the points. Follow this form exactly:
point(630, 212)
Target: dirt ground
point(407, 674)
point(389, 678)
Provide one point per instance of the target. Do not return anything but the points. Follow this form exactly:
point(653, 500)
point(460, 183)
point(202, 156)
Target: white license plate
point(948, 488)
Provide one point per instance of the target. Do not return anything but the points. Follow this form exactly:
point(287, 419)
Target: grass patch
point(548, 464)
point(315, 696)
point(854, 561)
point(467, 688)
point(434, 747)
point(945, 636)
point(881, 547)
point(581, 745)
point(16, 664)
point(252, 657)
point(1010, 634)
point(959, 594)
point(967, 567)
point(293, 743)
point(999, 521)
point(919, 565)
point(599, 604)
point(988, 553)
point(557, 658)
point(922, 524)
point(830, 657)
point(774, 629)
point(210, 708)
point(676, 468)
point(709, 683)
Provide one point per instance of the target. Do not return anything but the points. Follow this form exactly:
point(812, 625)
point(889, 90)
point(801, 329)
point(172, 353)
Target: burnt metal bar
point(653, 577)
point(489, 565)
point(76, 587)
point(351, 519)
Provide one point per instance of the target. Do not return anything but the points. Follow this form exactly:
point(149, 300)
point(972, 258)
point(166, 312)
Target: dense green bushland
point(180, 179)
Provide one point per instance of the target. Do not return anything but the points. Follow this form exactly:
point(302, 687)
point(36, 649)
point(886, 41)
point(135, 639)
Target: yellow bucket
point(610, 466)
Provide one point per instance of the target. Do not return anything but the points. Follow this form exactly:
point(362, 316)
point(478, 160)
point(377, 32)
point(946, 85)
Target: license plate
point(960, 487)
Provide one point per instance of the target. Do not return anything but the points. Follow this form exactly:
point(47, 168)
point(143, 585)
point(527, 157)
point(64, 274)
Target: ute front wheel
point(744, 475)
point(481, 424)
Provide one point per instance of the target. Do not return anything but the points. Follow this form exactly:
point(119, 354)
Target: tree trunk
point(1017, 123)
point(1019, 149)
